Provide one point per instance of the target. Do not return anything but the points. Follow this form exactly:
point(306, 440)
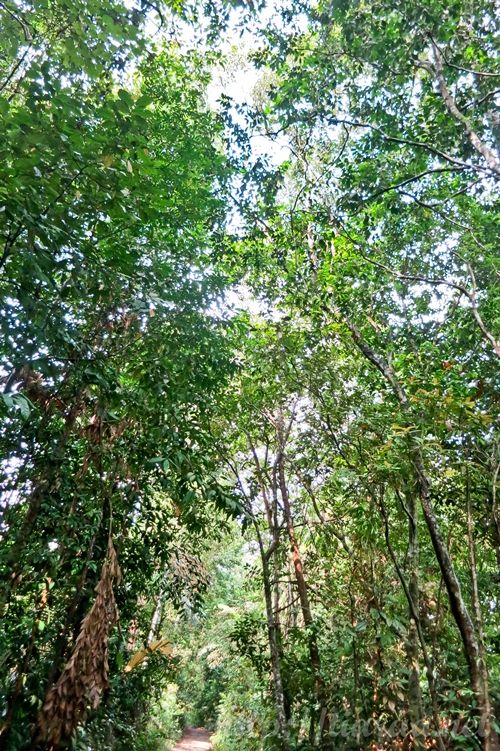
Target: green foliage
point(113, 198)
point(136, 407)
point(244, 715)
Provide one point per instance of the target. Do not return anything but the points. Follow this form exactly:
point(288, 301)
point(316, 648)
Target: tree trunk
point(452, 584)
point(355, 668)
point(325, 740)
point(274, 648)
point(412, 645)
point(476, 605)
point(415, 617)
point(156, 618)
point(271, 598)
point(495, 513)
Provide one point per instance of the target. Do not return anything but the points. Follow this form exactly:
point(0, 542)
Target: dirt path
point(194, 739)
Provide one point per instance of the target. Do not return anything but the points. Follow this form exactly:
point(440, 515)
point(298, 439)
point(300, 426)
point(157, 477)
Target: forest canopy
point(250, 337)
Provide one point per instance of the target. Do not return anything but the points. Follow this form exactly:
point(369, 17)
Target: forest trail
point(194, 739)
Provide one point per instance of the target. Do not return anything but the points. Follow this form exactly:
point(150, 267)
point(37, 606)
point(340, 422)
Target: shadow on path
point(194, 739)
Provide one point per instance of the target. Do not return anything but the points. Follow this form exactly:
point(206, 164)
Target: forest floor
point(194, 739)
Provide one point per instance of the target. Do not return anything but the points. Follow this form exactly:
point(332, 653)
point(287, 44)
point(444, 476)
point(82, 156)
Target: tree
point(378, 233)
point(112, 362)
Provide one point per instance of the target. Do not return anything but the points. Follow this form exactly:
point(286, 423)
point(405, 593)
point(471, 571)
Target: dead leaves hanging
point(160, 645)
point(85, 675)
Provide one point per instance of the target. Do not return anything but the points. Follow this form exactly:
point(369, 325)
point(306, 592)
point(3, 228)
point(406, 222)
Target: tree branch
point(491, 160)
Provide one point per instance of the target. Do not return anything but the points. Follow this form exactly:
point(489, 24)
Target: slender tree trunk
point(479, 145)
point(476, 606)
point(156, 618)
point(326, 742)
point(415, 618)
point(355, 668)
point(412, 646)
point(271, 598)
point(495, 513)
point(457, 603)
point(275, 569)
point(274, 647)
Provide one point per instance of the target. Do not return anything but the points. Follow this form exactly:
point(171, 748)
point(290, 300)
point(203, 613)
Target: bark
point(271, 598)
point(457, 603)
point(495, 514)
point(476, 605)
point(273, 638)
point(412, 647)
point(415, 618)
point(440, 614)
point(488, 154)
point(355, 667)
point(156, 618)
point(325, 740)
